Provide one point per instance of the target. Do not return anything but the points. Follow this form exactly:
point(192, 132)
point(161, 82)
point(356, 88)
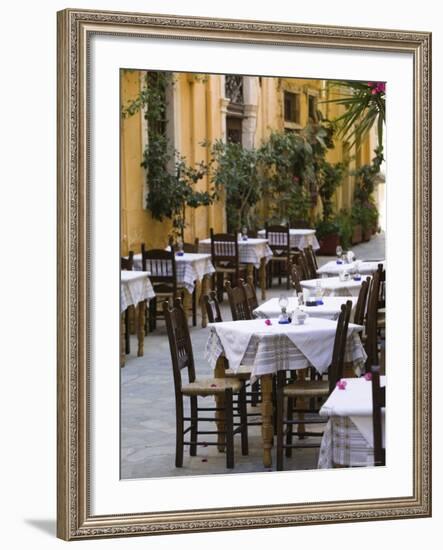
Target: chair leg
point(288, 275)
point(219, 285)
point(229, 427)
point(244, 421)
point(194, 307)
point(255, 388)
point(194, 424)
point(152, 314)
point(289, 416)
point(280, 403)
point(127, 339)
point(279, 273)
point(179, 437)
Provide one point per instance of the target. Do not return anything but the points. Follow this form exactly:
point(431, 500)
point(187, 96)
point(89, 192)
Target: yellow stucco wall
point(197, 103)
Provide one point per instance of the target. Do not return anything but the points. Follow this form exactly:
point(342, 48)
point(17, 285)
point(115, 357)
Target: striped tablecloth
point(348, 436)
point(270, 349)
point(135, 287)
point(190, 268)
point(249, 252)
point(299, 238)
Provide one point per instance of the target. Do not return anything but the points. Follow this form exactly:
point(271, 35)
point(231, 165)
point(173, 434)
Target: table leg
point(262, 278)
point(141, 312)
point(122, 340)
point(267, 430)
point(219, 372)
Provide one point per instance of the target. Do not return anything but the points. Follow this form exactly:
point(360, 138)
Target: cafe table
point(333, 286)
point(267, 347)
point(135, 290)
point(329, 309)
point(348, 438)
point(252, 252)
point(298, 238)
point(364, 267)
point(192, 269)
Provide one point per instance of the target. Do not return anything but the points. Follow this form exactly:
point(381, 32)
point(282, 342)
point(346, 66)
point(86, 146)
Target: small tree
point(235, 171)
point(331, 178)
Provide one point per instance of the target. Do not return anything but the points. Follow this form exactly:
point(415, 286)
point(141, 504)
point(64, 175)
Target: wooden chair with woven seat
point(370, 339)
point(360, 308)
point(238, 303)
point(163, 275)
point(225, 259)
point(299, 259)
point(250, 295)
point(183, 359)
point(311, 261)
point(191, 248)
point(279, 243)
point(378, 402)
point(295, 278)
point(309, 389)
point(243, 372)
point(127, 264)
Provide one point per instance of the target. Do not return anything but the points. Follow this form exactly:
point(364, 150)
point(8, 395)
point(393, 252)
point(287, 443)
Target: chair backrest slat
point(371, 321)
point(224, 248)
point(295, 278)
point(311, 261)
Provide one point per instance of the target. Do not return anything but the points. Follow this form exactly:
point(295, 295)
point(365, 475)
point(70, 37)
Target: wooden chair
point(308, 389)
point(238, 303)
point(295, 278)
point(298, 258)
point(212, 307)
point(311, 261)
point(360, 308)
point(192, 248)
point(378, 402)
point(250, 295)
point(225, 259)
point(127, 264)
point(182, 359)
point(161, 264)
point(370, 338)
point(279, 243)
point(244, 372)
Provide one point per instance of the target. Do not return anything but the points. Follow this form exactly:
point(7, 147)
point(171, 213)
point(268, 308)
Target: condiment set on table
point(296, 317)
point(347, 259)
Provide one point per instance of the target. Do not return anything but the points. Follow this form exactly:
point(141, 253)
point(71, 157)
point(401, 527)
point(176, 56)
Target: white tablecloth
point(348, 439)
point(329, 310)
point(299, 238)
point(135, 287)
point(333, 268)
point(332, 286)
point(190, 268)
point(280, 347)
point(249, 252)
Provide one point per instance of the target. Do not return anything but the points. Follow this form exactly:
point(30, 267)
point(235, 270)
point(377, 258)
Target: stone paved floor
point(148, 409)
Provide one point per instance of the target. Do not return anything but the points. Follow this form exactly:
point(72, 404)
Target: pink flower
point(213, 385)
point(268, 322)
point(204, 460)
point(341, 384)
point(368, 376)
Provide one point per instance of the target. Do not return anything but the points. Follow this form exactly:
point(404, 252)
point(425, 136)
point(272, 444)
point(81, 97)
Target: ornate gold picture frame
point(75, 31)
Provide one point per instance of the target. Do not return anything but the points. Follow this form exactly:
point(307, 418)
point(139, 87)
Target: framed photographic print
point(243, 264)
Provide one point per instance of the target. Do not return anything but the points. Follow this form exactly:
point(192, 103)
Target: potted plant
point(328, 234)
point(345, 224)
point(357, 230)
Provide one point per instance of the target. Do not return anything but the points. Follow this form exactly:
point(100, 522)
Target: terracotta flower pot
point(367, 234)
point(329, 244)
point(357, 234)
